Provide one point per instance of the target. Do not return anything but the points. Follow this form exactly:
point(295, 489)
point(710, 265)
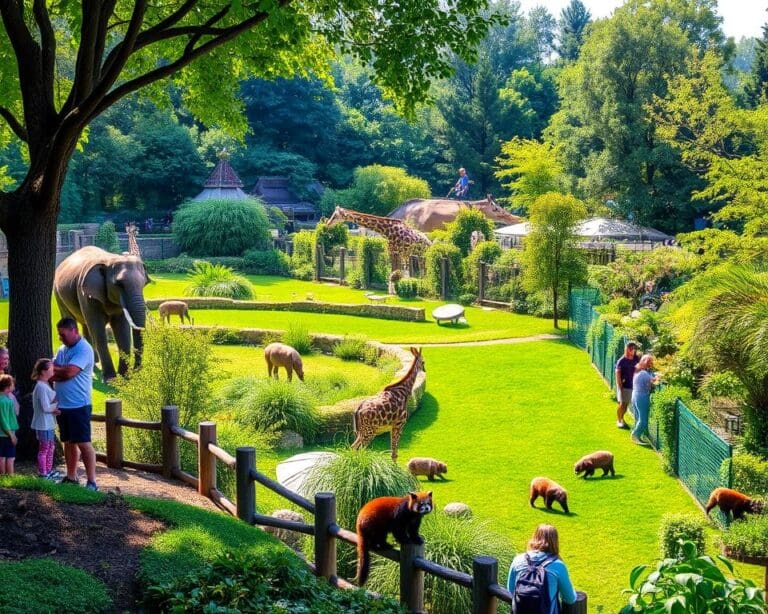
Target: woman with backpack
point(538, 579)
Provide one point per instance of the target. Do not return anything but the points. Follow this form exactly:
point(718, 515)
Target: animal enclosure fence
point(482, 583)
point(498, 285)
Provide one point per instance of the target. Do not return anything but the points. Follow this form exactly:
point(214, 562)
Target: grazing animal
point(400, 516)
point(282, 355)
point(427, 466)
point(388, 410)
point(597, 460)
point(169, 308)
point(733, 503)
point(550, 491)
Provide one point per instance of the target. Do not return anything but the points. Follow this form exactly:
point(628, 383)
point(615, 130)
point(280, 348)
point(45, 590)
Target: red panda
point(400, 516)
point(733, 502)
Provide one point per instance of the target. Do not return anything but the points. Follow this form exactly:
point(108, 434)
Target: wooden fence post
point(481, 281)
point(485, 571)
point(325, 542)
point(443, 278)
point(245, 458)
point(169, 416)
point(342, 265)
point(579, 606)
point(206, 462)
point(318, 261)
point(114, 431)
point(411, 578)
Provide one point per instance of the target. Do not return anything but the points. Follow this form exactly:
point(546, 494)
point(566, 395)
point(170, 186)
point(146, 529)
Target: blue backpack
point(531, 594)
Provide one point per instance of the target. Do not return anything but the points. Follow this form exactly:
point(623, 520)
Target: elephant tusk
point(130, 320)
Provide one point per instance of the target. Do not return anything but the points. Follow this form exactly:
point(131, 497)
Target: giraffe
point(133, 245)
point(402, 240)
point(387, 411)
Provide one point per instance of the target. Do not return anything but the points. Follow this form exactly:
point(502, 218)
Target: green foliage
point(459, 231)
point(486, 251)
point(106, 238)
point(178, 264)
point(722, 384)
point(221, 227)
point(467, 299)
point(352, 347)
point(372, 263)
point(750, 474)
point(266, 262)
point(453, 543)
point(177, 371)
point(273, 580)
point(46, 586)
point(678, 528)
point(206, 279)
point(298, 337)
point(331, 236)
point(574, 19)
point(691, 583)
point(663, 403)
point(379, 189)
point(529, 169)
point(748, 537)
point(303, 249)
point(434, 254)
point(407, 288)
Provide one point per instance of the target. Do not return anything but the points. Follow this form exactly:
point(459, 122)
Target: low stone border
point(384, 312)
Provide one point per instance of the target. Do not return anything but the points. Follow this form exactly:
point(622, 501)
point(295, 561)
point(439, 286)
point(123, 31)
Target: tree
point(530, 169)
point(551, 257)
point(63, 64)
point(758, 86)
point(574, 19)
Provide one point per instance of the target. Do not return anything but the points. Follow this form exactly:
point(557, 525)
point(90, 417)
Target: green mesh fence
point(580, 313)
point(701, 453)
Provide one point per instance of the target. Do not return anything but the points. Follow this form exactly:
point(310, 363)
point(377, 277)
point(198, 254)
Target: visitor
point(5, 368)
point(8, 426)
point(461, 189)
point(543, 553)
point(625, 372)
point(45, 408)
point(73, 374)
point(642, 386)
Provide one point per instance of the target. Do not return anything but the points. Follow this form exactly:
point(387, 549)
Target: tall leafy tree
point(63, 64)
point(757, 88)
point(574, 19)
point(542, 26)
point(529, 169)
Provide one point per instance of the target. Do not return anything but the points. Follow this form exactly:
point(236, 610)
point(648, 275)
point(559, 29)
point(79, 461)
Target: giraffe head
point(336, 217)
point(418, 360)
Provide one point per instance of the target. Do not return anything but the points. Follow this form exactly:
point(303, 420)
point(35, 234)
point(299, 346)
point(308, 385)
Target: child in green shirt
point(8, 426)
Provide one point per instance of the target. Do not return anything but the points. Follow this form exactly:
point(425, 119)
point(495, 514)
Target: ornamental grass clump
point(206, 279)
point(298, 337)
point(351, 347)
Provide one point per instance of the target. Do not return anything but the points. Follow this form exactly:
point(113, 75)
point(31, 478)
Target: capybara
point(550, 491)
point(601, 459)
point(282, 355)
point(168, 308)
point(732, 502)
point(427, 466)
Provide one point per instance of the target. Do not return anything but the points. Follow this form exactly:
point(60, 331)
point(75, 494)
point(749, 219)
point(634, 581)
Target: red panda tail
point(363, 562)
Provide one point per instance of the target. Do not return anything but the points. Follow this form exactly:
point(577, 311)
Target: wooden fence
point(483, 582)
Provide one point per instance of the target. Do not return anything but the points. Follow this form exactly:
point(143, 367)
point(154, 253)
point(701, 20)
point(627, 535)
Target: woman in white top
point(45, 408)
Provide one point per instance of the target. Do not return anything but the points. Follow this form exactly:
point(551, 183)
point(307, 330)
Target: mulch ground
point(103, 539)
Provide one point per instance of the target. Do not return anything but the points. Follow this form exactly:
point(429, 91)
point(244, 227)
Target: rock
point(292, 539)
point(291, 439)
point(457, 510)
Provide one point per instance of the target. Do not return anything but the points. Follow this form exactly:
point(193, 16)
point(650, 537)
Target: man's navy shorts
point(75, 424)
point(7, 449)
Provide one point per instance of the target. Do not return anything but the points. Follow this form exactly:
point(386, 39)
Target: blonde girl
point(45, 408)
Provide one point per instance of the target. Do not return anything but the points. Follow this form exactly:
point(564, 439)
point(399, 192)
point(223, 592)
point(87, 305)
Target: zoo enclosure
point(698, 453)
point(483, 582)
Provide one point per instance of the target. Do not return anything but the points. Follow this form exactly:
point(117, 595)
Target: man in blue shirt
point(73, 374)
point(462, 185)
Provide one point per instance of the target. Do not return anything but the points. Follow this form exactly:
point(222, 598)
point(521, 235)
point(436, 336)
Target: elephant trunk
point(135, 311)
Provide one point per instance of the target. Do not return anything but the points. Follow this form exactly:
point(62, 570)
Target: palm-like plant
point(206, 279)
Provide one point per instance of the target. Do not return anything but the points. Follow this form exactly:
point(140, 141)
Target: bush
point(298, 337)
point(691, 583)
point(180, 264)
point(467, 299)
point(378, 189)
point(435, 253)
point(453, 543)
point(750, 474)
point(272, 580)
point(266, 262)
point(663, 403)
point(407, 288)
point(230, 435)
point(677, 528)
point(488, 252)
point(373, 263)
point(748, 537)
point(45, 586)
point(303, 249)
point(176, 371)
point(722, 384)
point(106, 238)
point(351, 347)
point(221, 227)
point(208, 279)
point(459, 231)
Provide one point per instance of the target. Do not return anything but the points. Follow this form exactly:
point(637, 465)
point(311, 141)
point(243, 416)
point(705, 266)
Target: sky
point(741, 17)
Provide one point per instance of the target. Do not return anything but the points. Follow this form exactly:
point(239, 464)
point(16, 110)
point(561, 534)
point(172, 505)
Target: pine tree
point(573, 20)
point(758, 87)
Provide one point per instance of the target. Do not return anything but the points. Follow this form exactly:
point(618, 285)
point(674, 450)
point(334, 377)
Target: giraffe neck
point(376, 223)
point(408, 379)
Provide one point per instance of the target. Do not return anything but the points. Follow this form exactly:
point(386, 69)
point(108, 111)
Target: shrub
point(677, 528)
point(298, 337)
point(663, 404)
point(691, 583)
point(106, 238)
point(176, 371)
point(722, 384)
point(379, 189)
point(230, 435)
point(435, 253)
point(333, 387)
point(271, 580)
point(208, 279)
point(459, 231)
point(266, 262)
point(331, 236)
point(303, 249)
point(453, 543)
point(467, 299)
point(748, 537)
point(351, 347)
point(221, 227)
point(45, 586)
point(373, 263)
point(488, 252)
point(407, 288)
point(750, 474)
point(179, 264)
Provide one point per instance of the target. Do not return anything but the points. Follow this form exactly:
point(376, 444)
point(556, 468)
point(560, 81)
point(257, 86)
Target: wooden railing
point(483, 582)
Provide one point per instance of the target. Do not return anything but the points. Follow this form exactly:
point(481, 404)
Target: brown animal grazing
point(597, 460)
point(400, 516)
point(179, 308)
point(427, 466)
point(732, 502)
point(549, 491)
point(282, 355)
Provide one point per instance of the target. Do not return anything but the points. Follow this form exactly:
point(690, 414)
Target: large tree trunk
point(31, 236)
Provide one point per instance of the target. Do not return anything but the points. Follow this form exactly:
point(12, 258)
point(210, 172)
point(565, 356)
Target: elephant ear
point(92, 282)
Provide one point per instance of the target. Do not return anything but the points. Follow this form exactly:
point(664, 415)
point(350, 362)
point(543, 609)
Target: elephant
point(97, 288)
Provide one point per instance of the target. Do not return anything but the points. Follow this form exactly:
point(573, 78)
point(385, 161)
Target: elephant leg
point(122, 332)
point(96, 321)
